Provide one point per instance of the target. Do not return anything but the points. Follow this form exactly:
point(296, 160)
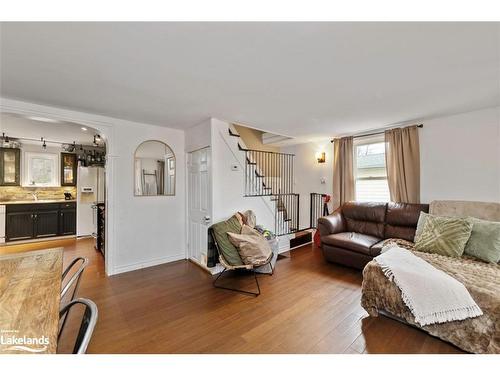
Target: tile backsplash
point(18, 193)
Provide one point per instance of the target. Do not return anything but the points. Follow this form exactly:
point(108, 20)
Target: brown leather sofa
point(354, 234)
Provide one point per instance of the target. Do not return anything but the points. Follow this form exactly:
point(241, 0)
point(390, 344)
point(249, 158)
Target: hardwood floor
point(308, 306)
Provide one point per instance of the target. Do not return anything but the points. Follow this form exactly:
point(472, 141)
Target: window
point(41, 169)
point(369, 170)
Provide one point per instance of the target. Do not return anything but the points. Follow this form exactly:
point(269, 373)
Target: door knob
point(207, 218)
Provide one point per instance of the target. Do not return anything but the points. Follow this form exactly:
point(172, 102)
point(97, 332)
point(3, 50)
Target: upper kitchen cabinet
point(10, 162)
point(68, 169)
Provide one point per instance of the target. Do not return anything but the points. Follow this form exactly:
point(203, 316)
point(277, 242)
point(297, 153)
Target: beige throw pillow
point(249, 218)
point(252, 246)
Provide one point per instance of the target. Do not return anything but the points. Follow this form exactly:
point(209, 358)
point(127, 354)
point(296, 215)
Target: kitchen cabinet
point(46, 223)
point(19, 226)
point(10, 166)
point(39, 220)
point(68, 169)
point(67, 220)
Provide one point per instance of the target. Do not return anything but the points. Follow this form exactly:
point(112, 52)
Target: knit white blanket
point(432, 295)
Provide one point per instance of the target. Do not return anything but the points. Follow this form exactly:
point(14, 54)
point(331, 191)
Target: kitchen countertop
point(38, 201)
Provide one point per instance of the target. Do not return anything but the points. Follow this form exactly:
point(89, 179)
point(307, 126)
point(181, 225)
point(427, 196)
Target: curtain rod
point(377, 132)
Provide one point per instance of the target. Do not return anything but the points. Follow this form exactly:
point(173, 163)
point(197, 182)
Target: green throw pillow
point(484, 242)
point(444, 235)
point(420, 225)
point(228, 250)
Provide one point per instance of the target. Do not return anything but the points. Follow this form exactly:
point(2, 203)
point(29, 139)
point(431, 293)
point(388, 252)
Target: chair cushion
point(252, 246)
point(360, 243)
point(226, 248)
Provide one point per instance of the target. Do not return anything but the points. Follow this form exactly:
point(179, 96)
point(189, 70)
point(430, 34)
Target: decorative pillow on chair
point(444, 235)
point(252, 246)
point(484, 242)
point(249, 218)
point(227, 249)
point(240, 218)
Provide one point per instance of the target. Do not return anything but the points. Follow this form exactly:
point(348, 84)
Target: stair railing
point(287, 213)
point(268, 173)
point(316, 208)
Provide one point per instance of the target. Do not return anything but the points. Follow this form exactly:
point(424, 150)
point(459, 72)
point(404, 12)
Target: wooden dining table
point(30, 288)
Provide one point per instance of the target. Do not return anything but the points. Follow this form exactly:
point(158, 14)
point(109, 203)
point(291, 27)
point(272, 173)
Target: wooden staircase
point(271, 174)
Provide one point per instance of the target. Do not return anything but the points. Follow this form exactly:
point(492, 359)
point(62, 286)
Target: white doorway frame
point(188, 197)
point(105, 125)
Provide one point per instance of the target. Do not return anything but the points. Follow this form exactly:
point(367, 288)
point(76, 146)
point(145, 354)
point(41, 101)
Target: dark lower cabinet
point(67, 222)
point(29, 221)
point(46, 223)
point(19, 226)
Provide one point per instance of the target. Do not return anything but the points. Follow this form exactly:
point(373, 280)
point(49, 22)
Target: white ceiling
point(298, 79)
point(16, 126)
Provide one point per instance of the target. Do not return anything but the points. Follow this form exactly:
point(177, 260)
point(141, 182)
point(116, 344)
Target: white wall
point(199, 136)
point(229, 186)
point(308, 174)
point(141, 231)
point(460, 157)
point(149, 229)
point(460, 160)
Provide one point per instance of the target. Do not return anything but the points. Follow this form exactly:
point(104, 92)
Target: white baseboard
point(284, 244)
point(211, 270)
point(149, 263)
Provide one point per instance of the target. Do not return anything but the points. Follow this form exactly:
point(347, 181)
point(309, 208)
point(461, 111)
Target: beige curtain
point(402, 157)
point(343, 176)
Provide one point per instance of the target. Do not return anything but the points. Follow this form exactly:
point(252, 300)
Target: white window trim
point(27, 156)
point(378, 138)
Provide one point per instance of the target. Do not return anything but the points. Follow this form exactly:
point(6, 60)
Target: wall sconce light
point(320, 156)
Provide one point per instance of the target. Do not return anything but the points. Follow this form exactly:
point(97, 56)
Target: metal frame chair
point(244, 267)
point(74, 279)
point(89, 321)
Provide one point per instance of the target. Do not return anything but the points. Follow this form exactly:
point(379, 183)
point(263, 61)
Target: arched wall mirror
point(154, 169)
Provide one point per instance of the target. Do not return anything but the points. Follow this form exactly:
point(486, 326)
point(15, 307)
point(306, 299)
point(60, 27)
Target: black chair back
point(87, 325)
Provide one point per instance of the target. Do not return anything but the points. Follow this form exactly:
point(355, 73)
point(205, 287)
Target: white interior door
point(199, 203)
